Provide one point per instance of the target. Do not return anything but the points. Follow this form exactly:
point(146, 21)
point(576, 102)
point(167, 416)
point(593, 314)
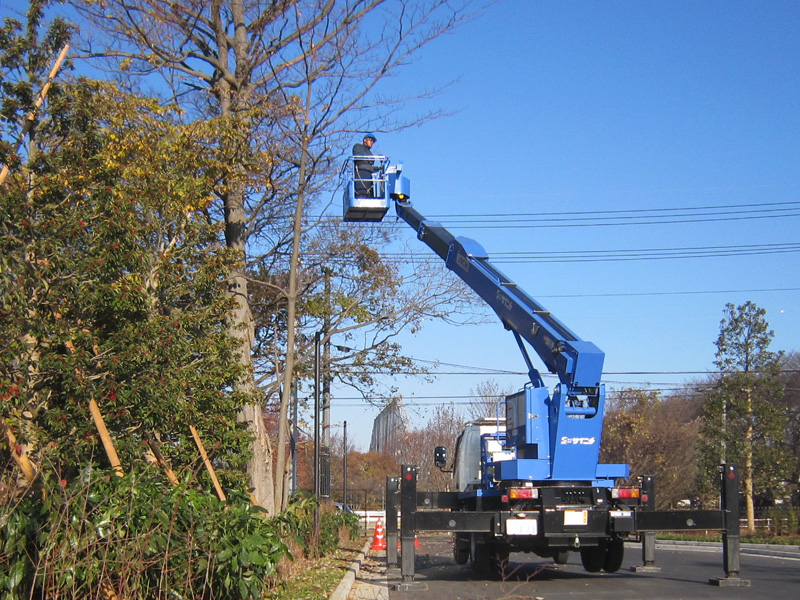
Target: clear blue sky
point(577, 108)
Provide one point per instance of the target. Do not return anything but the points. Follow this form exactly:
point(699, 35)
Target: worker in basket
point(364, 167)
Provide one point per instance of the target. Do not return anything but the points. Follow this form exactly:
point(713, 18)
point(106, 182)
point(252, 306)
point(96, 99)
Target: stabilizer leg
point(731, 539)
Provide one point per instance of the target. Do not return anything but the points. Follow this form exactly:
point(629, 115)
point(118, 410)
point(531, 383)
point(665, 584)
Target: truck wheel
point(615, 553)
point(593, 558)
point(460, 549)
point(561, 557)
point(478, 554)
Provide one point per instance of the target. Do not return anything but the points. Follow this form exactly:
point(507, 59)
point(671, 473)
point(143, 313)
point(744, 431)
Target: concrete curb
point(346, 584)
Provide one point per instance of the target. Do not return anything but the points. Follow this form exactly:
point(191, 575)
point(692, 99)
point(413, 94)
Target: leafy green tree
point(26, 56)
point(113, 287)
point(744, 422)
point(292, 82)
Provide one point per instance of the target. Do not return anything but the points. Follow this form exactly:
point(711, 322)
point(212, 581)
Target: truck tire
point(593, 558)
point(615, 553)
point(561, 557)
point(478, 554)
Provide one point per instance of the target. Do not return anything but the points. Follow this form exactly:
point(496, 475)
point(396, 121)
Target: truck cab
point(478, 444)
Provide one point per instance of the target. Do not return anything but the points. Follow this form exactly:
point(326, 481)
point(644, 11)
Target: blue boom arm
point(578, 364)
point(553, 438)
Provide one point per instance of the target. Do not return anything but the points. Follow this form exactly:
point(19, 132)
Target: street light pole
point(344, 467)
point(317, 337)
point(325, 450)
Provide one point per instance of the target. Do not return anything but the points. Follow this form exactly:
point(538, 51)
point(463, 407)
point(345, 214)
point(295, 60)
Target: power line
point(438, 400)
point(414, 401)
point(625, 211)
point(670, 212)
point(648, 253)
point(473, 370)
point(616, 218)
point(617, 255)
point(683, 293)
point(619, 217)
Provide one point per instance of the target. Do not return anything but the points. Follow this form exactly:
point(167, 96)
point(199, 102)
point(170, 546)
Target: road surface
point(684, 574)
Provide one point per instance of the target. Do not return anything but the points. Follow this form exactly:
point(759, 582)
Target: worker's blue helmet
point(370, 136)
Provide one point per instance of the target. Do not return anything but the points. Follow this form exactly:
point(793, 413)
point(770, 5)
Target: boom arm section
point(577, 363)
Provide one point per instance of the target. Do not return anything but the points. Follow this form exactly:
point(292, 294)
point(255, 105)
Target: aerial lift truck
point(529, 479)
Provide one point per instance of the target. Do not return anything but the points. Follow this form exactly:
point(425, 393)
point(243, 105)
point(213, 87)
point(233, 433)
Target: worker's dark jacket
point(363, 171)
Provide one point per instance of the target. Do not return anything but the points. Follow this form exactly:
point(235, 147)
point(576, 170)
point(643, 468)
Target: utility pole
point(344, 467)
point(317, 337)
point(325, 455)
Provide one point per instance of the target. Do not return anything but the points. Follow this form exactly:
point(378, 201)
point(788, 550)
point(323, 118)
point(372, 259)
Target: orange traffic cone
point(379, 539)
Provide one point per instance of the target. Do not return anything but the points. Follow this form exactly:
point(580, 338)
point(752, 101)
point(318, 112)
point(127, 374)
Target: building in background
point(389, 428)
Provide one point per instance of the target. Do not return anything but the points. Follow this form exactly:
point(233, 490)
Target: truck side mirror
point(440, 457)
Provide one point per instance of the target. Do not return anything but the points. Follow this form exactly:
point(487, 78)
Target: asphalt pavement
point(687, 570)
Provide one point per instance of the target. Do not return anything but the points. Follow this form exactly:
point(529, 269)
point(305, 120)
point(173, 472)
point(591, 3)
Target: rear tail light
point(626, 493)
point(525, 493)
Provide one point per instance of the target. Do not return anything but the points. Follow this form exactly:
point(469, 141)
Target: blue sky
point(567, 109)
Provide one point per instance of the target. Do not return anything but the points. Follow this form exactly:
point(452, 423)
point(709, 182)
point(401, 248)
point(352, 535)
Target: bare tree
point(486, 397)
point(290, 82)
point(441, 430)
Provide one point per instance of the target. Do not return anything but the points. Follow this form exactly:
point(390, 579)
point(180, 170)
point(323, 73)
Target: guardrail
point(370, 517)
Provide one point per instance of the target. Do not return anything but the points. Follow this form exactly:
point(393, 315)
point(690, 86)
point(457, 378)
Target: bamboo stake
point(217, 486)
point(20, 458)
point(29, 118)
point(108, 443)
point(108, 591)
point(173, 479)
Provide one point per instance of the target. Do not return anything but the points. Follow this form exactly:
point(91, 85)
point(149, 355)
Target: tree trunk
point(288, 373)
point(291, 311)
point(259, 466)
point(748, 467)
